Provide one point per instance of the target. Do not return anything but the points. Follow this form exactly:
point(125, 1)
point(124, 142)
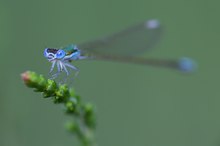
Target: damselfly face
point(54, 54)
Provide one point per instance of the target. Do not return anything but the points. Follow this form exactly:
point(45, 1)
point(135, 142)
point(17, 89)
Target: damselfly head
point(54, 54)
point(50, 53)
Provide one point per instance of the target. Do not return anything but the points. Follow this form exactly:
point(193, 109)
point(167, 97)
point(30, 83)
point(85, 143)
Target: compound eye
point(60, 54)
point(45, 52)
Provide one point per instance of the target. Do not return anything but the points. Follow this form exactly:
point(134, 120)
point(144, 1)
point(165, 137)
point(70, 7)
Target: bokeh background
point(136, 105)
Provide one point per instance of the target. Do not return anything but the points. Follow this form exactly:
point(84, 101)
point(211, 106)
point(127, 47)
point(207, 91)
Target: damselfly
point(124, 46)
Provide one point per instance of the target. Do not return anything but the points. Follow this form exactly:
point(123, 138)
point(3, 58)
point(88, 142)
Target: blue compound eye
point(60, 54)
point(45, 53)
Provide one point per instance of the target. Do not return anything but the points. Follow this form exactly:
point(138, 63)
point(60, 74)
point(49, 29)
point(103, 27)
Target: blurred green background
point(136, 105)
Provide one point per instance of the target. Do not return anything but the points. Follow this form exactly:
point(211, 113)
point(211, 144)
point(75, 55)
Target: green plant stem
point(84, 121)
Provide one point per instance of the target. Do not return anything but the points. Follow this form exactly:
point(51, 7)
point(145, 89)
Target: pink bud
point(26, 77)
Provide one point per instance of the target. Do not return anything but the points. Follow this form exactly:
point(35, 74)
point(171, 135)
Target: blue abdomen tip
point(187, 65)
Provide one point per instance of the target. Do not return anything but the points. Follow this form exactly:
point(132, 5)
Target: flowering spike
point(84, 122)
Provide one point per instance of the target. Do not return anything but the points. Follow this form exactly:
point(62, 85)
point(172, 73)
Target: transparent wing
point(129, 42)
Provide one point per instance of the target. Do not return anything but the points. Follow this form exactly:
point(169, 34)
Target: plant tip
point(25, 76)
